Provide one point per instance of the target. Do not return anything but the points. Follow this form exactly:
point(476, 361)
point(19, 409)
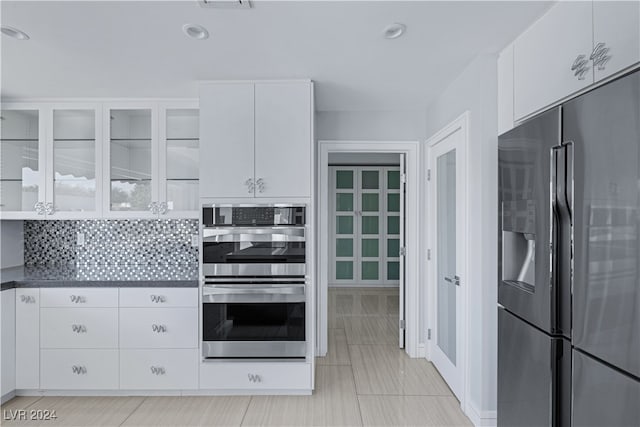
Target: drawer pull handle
point(79, 329)
point(28, 299)
point(254, 378)
point(78, 299)
point(158, 370)
point(160, 329)
point(158, 299)
point(79, 370)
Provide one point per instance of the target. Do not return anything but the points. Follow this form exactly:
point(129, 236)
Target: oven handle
point(252, 293)
point(244, 234)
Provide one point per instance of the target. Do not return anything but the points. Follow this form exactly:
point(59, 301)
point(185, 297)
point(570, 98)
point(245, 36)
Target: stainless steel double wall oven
point(254, 295)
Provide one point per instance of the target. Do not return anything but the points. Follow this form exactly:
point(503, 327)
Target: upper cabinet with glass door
point(131, 158)
point(73, 162)
point(179, 160)
point(22, 179)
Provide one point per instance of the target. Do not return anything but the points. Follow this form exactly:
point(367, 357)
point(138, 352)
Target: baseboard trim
point(422, 350)
point(481, 418)
point(221, 392)
point(7, 397)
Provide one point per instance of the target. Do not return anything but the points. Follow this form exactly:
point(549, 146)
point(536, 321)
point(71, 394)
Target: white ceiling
point(137, 49)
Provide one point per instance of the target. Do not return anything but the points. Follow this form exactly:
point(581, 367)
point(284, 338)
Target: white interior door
point(446, 201)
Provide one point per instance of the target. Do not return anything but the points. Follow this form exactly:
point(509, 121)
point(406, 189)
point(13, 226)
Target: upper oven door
point(253, 251)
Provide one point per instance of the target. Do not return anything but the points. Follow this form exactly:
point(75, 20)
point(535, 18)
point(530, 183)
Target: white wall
point(370, 125)
point(11, 243)
point(475, 90)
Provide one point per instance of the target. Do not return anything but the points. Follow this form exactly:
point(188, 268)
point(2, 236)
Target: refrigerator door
point(524, 175)
point(605, 128)
point(533, 375)
point(603, 396)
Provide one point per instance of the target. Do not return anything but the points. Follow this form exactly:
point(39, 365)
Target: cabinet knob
point(260, 184)
point(599, 56)
point(78, 299)
point(158, 299)
point(158, 370)
point(163, 208)
point(254, 378)
point(580, 67)
point(49, 209)
point(159, 329)
point(154, 208)
point(39, 208)
point(28, 299)
point(79, 329)
point(79, 370)
point(250, 185)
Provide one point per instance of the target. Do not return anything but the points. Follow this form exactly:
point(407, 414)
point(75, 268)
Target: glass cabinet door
point(131, 146)
point(74, 162)
point(180, 162)
point(392, 208)
point(369, 212)
point(21, 163)
point(344, 224)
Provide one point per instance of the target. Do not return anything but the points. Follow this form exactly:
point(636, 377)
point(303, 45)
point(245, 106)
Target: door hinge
point(403, 251)
point(429, 333)
point(403, 178)
point(428, 254)
point(428, 174)
point(402, 324)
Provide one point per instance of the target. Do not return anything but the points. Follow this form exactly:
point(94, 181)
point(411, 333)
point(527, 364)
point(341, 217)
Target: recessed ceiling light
point(195, 31)
point(394, 30)
point(15, 33)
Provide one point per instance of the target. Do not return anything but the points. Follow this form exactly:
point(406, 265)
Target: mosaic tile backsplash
point(111, 242)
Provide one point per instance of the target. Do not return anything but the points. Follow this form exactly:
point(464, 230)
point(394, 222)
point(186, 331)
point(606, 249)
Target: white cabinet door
point(158, 328)
point(8, 342)
point(78, 328)
point(159, 369)
point(27, 338)
point(283, 139)
point(226, 139)
point(79, 369)
point(258, 376)
point(616, 24)
point(545, 54)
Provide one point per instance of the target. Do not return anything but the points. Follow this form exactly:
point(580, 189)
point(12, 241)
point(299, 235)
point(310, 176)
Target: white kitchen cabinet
point(505, 90)
point(158, 328)
point(616, 28)
point(227, 133)
point(8, 342)
point(256, 139)
point(159, 369)
point(158, 297)
point(255, 376)
point(27, 338)
point(283, 139)
point(22, 162)
point(551, 58)
point(64, 369)
point(78, 328)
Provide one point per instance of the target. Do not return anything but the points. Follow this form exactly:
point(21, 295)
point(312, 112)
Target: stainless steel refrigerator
point(569, 263)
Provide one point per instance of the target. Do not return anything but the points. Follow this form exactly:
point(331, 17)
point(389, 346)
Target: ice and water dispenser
point(519, 244)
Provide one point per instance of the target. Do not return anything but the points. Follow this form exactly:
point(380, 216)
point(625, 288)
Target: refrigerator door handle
point(554, 221)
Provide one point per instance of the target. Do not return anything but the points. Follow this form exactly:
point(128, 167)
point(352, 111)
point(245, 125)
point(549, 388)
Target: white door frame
point(461, 124)
point(411, 149)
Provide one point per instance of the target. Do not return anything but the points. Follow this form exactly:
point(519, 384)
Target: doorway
point(356, 245)
point(446, 203)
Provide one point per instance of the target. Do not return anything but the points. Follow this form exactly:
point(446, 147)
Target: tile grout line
point(135, 409)
point(245, 411)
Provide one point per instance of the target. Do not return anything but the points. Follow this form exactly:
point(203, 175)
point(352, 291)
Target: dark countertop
point(112, 276)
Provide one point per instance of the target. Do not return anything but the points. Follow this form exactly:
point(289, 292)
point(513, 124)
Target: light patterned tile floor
point(365, 379)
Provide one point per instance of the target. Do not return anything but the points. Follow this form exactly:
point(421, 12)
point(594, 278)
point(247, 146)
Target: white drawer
point(259, 376)
point(79, 328)
point(159, 369)
point(79, 369)
point(158, 328)
point(158, 297)
point(78, 297)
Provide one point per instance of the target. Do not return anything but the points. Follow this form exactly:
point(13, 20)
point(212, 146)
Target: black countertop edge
point(99, 284)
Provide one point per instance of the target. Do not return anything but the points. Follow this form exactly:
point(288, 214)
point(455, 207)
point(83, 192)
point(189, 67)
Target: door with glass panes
point(365, 225)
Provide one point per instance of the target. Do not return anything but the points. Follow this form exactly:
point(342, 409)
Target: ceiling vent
point(226, 4)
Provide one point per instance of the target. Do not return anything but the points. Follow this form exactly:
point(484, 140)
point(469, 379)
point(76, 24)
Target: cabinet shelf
point(130, 139)
point(18, 140)
point(74, 140)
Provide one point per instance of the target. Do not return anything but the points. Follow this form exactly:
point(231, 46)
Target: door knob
point(455, 280)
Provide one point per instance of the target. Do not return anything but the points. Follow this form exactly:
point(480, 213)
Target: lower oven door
point(253, 321)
